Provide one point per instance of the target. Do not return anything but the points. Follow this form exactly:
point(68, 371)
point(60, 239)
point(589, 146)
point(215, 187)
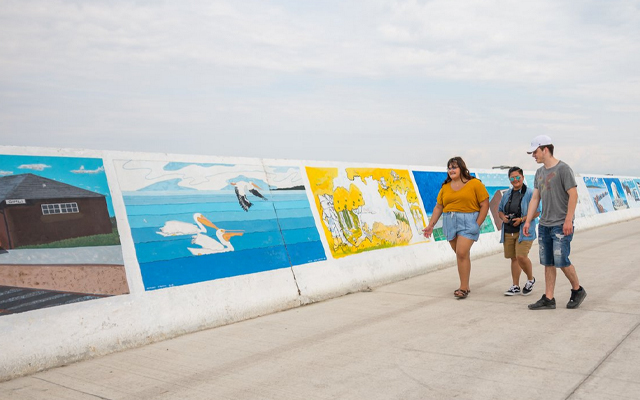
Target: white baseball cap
point(541, 140)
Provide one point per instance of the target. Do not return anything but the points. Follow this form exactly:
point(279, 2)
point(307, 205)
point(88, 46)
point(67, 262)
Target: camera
point(511, 217)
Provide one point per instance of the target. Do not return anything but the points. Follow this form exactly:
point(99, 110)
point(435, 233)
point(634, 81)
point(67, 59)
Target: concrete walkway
point(407, 340)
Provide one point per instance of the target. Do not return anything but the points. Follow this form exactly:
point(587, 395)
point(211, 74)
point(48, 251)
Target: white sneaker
point(513, 290)
point(528, 287)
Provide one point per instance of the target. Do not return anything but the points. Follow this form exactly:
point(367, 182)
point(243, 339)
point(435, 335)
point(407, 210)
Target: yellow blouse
point(467, 199)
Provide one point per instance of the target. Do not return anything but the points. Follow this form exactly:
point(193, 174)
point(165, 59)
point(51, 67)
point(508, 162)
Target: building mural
point(195, 222)
point(617, 193)
point(366, 208)
point(429, 184)
point(599, 194)
point(59, 241)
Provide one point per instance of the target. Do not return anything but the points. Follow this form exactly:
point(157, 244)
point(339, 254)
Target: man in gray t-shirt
point(556, 185)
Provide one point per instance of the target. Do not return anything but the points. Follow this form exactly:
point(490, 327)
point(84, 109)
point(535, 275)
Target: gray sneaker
point(543, 304)
point(577, 296)
point(528, 287)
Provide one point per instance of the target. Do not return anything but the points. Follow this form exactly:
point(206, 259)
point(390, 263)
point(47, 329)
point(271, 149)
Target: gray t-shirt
point(553, 184)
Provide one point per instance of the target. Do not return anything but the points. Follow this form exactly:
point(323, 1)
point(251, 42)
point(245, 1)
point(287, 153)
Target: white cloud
point(35, 167)
point(384, 81)
point(5, 173)
point(81, 170)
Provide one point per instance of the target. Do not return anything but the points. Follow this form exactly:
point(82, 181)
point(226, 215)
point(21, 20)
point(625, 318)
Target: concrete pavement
point(407, 340)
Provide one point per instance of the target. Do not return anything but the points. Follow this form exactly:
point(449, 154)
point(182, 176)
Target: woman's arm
point(484, 209)
point(437, 212)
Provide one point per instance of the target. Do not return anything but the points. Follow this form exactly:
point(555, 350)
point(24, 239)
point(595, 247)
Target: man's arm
point(567, 228)
point(533, 206)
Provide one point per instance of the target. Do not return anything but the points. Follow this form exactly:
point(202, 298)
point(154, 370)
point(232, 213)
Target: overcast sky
point(393, 82)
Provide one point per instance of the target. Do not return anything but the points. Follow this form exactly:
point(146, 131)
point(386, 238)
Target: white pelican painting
point(178, 228)
point(242, 187)
point(210, 246)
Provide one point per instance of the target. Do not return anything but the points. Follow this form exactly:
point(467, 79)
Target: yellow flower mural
point(366, 208)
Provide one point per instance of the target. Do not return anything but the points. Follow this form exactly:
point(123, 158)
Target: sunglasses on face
point(515, 178)
point(450, 167)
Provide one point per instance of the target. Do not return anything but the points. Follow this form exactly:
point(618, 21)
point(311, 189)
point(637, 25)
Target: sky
point(85, 173)
point(389, 82)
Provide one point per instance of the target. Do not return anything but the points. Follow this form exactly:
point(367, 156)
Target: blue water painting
point(278, 232)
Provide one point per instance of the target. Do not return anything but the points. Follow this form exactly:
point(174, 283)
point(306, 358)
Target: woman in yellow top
point(464, 201)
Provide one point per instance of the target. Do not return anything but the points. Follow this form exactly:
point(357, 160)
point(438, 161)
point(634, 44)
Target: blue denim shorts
point(463, 224)
point(554, 246)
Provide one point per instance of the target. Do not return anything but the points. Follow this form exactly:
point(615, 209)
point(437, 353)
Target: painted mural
point(195, 222)
point(585, 206)
point(631, 189)
point(617, 193)
point(366, 208)
point(599, 194)
point(429, 184)
point(59, 240)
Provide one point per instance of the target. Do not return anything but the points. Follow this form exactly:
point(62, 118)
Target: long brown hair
point(464, 171)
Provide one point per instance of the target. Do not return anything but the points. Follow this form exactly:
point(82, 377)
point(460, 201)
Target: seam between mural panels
point(284, 243)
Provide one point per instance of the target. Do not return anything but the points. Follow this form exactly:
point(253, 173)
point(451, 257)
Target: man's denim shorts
point(554, 246)
point(463, 224)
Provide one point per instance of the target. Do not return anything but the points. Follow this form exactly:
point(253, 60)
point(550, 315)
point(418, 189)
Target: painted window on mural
point(60, 208)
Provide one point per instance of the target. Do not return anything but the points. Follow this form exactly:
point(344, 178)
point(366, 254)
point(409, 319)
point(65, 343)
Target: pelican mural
point(178, 228)
point(208, 245)
point(242, 187)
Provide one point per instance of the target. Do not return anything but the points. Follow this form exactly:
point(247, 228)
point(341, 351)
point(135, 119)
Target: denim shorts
point(459, 223)
point(554, 246)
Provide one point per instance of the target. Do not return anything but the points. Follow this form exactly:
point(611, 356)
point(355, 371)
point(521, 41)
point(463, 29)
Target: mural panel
point(599, 194)
point(585, 206)
point(59, 239)
point(366, 208)
point(429, 184)
point(617, 193)
point(198, 222)
point(631, 191)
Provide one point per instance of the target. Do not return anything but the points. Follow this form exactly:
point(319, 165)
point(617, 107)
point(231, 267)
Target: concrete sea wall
point(198, 241)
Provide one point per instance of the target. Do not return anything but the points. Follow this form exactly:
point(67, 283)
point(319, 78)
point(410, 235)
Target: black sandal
point(461, 294)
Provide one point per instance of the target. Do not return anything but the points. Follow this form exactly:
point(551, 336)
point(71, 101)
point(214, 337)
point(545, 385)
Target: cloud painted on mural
point(166, 176)
point(366, 208)
point(198, 222)
point(82, 170)
point(35, 167)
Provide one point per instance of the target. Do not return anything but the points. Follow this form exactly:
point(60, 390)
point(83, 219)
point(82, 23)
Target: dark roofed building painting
point(35, 210)
point(59, 242)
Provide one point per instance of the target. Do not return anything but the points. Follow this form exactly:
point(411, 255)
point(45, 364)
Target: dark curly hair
point(464, 171)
